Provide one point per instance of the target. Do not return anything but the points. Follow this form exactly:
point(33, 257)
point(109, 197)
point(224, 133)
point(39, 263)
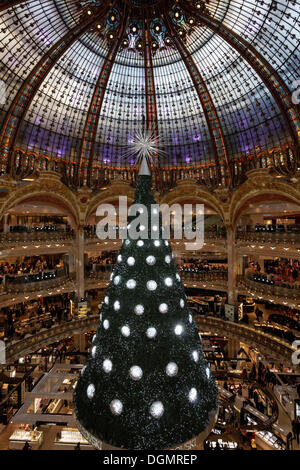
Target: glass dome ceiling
point(212, 79)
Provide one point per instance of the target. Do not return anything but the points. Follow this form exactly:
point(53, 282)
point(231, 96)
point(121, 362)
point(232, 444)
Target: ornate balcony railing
point(16, 288)
point(208, 236)
point(32, 343)
point(103, 273)
point(269, 237)
point(283, 160)
point(38, 237)
point(194, 276)
point(267, 344)
point(290, 292)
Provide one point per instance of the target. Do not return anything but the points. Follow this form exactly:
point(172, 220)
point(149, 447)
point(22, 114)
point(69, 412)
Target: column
point(232, 266)
point(79, 262)
point(79, 342)
point(5, 223)
point(233, 347)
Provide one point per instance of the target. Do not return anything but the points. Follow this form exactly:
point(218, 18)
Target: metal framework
point(7, 5)
point(211, 116)
point(268, 75)
point(91, 125)
point(26, 93)
point(151, 108)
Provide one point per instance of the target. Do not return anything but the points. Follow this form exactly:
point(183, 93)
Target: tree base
point(193, 444)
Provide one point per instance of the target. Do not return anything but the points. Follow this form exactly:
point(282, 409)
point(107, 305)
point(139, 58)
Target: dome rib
point(213, 122)
point(151, 104)
point(268, 75)
point(13, 3)
point(29, 88)
point(91, 125)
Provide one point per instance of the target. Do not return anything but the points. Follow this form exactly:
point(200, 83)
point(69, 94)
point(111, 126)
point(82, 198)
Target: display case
point(269, 441)
point(20, 436)
point(68, 438)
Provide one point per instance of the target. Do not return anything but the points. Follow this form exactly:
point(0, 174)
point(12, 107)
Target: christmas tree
point(146, 384)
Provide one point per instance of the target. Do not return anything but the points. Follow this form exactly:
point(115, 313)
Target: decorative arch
point(189, 189)
point(258, 189)
point(117, 189)
point(44, 191)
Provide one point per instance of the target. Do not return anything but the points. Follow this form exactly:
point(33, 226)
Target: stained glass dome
point(212, 79)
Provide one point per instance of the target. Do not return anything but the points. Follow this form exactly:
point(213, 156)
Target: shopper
point(27, 446)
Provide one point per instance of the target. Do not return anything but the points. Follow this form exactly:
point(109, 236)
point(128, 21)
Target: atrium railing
point(289, 291)
point(283, 160)
point(265, 341)
point(22, 284)
point(32, 343)
point(194, 275)
point(269, 344)
point(103, 273)
point(268, 237)
point(90, 234)
point(27, 237)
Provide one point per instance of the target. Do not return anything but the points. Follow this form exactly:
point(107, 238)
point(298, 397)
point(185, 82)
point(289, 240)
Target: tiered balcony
point(273, 347)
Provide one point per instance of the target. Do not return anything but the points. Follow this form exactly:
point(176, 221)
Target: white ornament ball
point(107, 366)
point(151, 285)
point(166, 243)
point(117, 305)
point(116, 407)
point(139, 309)
point(131, 284)
point(157, 409)
point(178, 330)
point(125, 330)
point(106, 324)
point(163, 308)
point(90, 391)
point(83, 370)
point(157, 243)
point(94, 349)
point(106, 300)
point(193, 395)
point(172, 369)
point(182, 303)
point(140, 243)
point(196, 356)
point(168, 259)
point(151, 332)
point(131, 261)
point(136, 373)
point(208, 372)
point(150, 260)
point(117, 280)
point(120, 258)
point(168, 282)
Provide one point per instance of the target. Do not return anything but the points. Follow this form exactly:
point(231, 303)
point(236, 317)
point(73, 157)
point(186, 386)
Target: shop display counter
point(269, 441)
point(68, 438)
point(19, 437)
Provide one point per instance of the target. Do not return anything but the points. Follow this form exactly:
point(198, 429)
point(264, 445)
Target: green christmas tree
point(146, 384)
